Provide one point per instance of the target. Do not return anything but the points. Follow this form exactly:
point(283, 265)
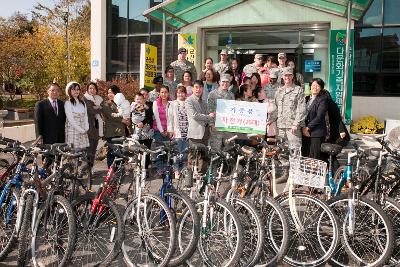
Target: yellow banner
point(148, 65)
point(188, 41)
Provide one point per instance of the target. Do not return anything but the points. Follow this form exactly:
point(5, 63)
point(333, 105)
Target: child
point(123, 106)
point(138, 111)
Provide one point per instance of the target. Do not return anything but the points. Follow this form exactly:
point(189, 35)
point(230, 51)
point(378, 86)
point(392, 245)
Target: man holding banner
point(220, 93)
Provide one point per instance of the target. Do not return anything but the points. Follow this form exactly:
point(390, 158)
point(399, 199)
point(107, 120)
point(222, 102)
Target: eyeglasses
point(281, 57)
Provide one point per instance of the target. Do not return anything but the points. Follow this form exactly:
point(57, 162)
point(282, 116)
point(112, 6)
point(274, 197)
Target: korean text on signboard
point(312, 65)
point(148, 65)
point(336, 70)
point(241, 116)
point(188, 41)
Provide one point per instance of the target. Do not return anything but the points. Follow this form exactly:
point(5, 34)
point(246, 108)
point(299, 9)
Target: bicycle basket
point(308, 171)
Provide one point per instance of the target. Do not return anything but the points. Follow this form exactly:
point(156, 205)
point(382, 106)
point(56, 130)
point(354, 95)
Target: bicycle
point(359, 215)
point(149, 223)
point(220, 223)
point(186, 217)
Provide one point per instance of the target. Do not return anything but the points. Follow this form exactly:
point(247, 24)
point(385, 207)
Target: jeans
point(110, 156)
point(182, 144)
point(160, 160)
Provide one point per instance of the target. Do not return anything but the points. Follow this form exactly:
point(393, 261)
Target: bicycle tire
point(186, 217)
point(23, 240)
point(322, 222)
point(363, 236)
point(276, 228)
point(139, 246)
point(59, 213)
point(99, 237)
point(253, 231)
point(234, 245)
point(392, 210)
point(8, 231)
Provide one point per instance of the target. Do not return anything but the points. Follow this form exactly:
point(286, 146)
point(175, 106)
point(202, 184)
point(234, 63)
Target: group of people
point(182, 107)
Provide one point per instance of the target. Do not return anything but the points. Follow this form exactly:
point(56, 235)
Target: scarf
point(97, 100)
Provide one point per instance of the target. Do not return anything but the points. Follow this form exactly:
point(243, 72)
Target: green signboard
point(337, 52)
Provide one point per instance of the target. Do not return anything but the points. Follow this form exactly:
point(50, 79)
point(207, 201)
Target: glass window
point(367, 43)
point(391, 49)
point(391, 12)
point(116, 54)
point(373, 16)
point(137, 22)
point(171, 47)
point(365, 83)
point(391, 84)
point(117, 13)
point(134, 52)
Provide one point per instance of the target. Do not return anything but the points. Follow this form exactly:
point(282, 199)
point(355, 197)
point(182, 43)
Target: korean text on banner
point(337, 54)
point(148, 65)
point(241, 116)
point(188, 41)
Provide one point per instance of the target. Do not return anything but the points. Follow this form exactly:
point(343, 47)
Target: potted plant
point(3, 112)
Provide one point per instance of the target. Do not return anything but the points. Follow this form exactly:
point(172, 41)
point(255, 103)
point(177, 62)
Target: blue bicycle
point(367, 233)
point(10, 196)
point(182, 207)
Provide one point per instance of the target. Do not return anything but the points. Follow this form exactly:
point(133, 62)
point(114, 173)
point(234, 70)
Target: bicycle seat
point(248, 150)
point(375, 151)
point(331, 149)
point(198, 146)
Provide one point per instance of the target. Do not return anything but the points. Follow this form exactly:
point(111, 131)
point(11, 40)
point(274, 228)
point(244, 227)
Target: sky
point(9, 7)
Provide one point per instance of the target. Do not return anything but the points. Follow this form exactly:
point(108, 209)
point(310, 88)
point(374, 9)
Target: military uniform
point(221, 68)
point(180, 67)
point(291, 111)
point(270, 90)
point(249, 69)
point(217, 137)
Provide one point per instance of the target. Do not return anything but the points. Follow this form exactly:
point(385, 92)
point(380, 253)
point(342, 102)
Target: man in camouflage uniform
point(222, 92)
point(181, 65)
point(271, 87)
point(249, 69)
point(282, 65)
point(291, 109)
point(222, 66)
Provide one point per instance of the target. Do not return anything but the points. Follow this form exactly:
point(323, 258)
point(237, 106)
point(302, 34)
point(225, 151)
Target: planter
point(3, 114)
point(19, 114)
point(366, 139)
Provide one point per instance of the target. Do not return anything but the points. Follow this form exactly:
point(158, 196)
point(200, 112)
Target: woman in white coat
point(77, 124)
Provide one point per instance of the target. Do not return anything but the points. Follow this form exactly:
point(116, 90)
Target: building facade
point(260, 26)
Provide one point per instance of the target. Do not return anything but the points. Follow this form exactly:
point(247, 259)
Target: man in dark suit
point(50, 117)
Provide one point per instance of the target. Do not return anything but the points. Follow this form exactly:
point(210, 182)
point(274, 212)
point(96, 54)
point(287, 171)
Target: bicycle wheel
point(187, 225)
point(372, 241)
point(54, 234)
point(276, 232)
point(99, 235)
point(9, 211)
point(392, 210)
point(150, 232)
point(25, 231)
point(314, 245)
point(253, 231)
point(221, 235)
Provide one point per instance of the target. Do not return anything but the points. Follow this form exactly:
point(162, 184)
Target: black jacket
point(336, 125)
point(315, 119)
point(48, 124)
